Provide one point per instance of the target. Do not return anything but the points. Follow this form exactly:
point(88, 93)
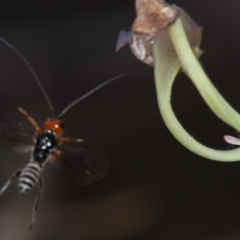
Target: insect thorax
point(44, 146)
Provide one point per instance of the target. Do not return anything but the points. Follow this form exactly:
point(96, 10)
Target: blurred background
point(155, 189)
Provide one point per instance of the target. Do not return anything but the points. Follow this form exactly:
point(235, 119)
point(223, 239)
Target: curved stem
point(165, 74)
point(195, 72)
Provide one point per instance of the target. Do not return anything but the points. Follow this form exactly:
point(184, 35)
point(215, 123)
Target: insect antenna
point(98, 88)
point(33, 74)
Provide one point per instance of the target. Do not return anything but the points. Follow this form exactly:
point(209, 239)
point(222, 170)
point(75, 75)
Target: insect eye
point(61, 125)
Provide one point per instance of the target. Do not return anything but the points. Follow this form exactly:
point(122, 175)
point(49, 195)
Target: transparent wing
point(13, 134)
point(81, 165)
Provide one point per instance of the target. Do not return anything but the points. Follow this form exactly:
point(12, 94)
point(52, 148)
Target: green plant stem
point(194, 70)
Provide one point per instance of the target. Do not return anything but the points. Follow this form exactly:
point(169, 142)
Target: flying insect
point(81, 165)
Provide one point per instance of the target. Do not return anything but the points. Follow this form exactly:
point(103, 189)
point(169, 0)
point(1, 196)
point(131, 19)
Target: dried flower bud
point(152, 16)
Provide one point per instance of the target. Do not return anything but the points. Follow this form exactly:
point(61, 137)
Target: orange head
point(55, 125)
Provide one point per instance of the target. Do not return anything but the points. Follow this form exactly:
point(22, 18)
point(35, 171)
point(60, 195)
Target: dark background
point(155, 189)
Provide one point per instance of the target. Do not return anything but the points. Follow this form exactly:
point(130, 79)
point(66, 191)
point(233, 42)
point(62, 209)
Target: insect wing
point(81, 165)
point(14, 135)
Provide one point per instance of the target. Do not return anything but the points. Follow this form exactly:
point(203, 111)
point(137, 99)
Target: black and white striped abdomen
point(29, 177)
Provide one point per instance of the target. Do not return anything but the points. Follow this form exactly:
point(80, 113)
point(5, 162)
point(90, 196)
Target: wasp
point(47, 145)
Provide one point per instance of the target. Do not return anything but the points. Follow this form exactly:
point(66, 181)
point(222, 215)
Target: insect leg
point(56, 154)
point(31, 120)
point(67, 139)
point(35, 205)
point(5, 186)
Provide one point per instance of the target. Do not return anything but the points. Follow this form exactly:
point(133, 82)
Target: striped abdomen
point(29, 177)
